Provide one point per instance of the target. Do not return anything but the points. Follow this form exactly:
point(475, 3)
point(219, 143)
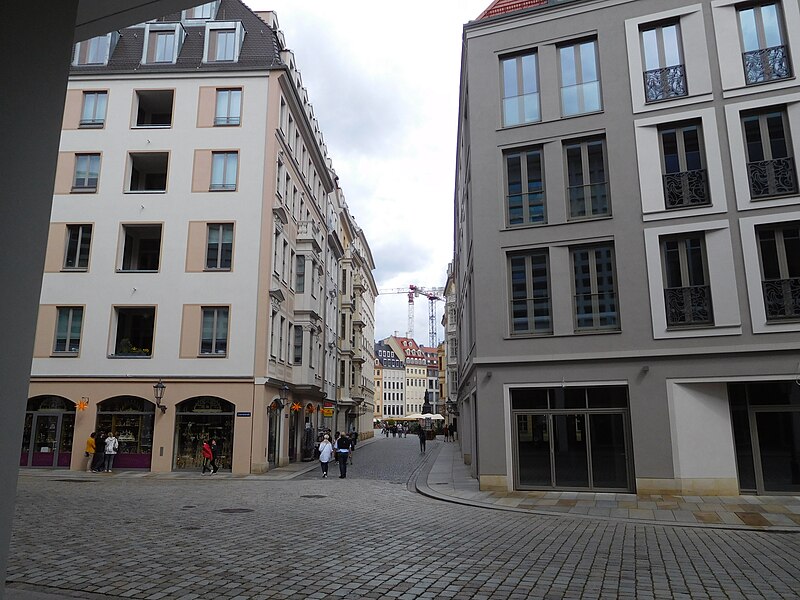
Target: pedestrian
point(90, 448)
point(394, 431)
point(405, 430)
point(353, 440)
point(208, 458)
point(446, 432)
point(325, 454)
point(98, 463)
point(214, 457)
point(112, 445)
point(453, 432)
point(343, 452)
point(421, 434)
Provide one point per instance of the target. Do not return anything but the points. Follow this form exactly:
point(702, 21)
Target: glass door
point(533, 451)
point(570, 450)
point(45, 440)
point(779, 449)
point(609, 450)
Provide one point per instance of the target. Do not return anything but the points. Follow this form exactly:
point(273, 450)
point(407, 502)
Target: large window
point(87, 172)
point(595, 288)
point(764, 51)
point(520, 90)
point(135, 330)
point(300, 274)
point(530, 293)
point(779, 249)
point(79, 239)
point(297, 355)
point(222, 45)
point(664, 70)
point(161, 47)
point(223, 171)
point(94, 51)
point(587, 179)
point(683, 166)
point(580, 78)
point(93, 111)
point(219, 248)
point(229, 107)
point(141, 248)
point(770, 164)
point(525, 198)
point(687, 293)
point(148, 171)
point(214, 338)
point(68, 329)
point(154, 108)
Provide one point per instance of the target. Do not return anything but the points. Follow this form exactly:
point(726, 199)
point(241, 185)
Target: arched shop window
point(203, 418)
point(131, 418)
point(48, 432)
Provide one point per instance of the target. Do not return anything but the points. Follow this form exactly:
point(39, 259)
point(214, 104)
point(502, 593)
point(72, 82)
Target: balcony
point(687, 306)
point(308, 231)
point(666, 83)
point(766, 64)
point(775, 177)
point(782, 298)
point(686, 189)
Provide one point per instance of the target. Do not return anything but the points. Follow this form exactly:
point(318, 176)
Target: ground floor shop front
point(255, 429)
point(646, 432)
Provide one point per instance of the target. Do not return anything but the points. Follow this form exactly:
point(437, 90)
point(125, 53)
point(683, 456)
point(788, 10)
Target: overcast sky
point(383, 79)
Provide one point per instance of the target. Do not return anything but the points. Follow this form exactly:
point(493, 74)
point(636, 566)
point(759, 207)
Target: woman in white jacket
point(325, 454)
point(112, 445)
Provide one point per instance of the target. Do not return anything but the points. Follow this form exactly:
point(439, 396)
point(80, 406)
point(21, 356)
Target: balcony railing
point(782, 298)
point(531, 315)
point(766, 64)
point(775, 177)
point(588, 200)
point(688, 188)
point(662, 84)
point(689, 306)
point(517, 213)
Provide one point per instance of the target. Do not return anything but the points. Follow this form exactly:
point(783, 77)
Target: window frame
point(222, 229)
point(584, 144)
point(91, 158)
point(675, 88)
point(596, 315)
point(760, 32)
point(523, 154)
point(530, 292)
point(216, 313)
point(520, 81)
point(94, 122)
point(679, 128)
point(227, 120)
point(766, 146)
point(80, 228)
point(225, 185)
point(684, 260)
point(69, 312)
point(778, 230)
point(578, 62)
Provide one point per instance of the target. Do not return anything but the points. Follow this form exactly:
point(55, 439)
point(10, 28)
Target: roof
point(260, 48)
point(501, 7)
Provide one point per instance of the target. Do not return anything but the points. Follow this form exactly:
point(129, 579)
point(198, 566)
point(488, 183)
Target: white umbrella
point(415, 416)
point(434, 417)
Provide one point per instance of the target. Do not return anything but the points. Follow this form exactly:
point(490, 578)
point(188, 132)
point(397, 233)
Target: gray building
point(627, 202)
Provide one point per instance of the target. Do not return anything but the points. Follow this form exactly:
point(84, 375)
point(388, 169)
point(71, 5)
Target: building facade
point(393, 378)
point(416, 372)
point(637, 236)
point(190, 243)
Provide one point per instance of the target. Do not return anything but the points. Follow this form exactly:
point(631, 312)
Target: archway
point(48, 432)
point(198, 419)
point(131, 418)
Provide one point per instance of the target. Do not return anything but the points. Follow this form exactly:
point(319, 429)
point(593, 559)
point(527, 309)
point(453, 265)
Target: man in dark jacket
point(422, 439)
point(99, 452)
point(214, 457)
point(343, 447)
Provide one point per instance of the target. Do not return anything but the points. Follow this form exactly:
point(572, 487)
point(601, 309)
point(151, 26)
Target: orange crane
point(433, 295)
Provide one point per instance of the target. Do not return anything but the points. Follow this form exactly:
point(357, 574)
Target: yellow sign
point(327, 412)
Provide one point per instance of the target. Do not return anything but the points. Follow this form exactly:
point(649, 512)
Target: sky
point(383, 79)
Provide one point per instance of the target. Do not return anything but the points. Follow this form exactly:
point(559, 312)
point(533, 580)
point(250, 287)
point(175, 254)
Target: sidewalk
point(447, 478)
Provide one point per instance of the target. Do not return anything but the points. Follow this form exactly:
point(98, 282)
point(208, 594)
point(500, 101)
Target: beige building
point(416, 372)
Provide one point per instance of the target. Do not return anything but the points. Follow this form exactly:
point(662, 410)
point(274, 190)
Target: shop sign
point(244, 414)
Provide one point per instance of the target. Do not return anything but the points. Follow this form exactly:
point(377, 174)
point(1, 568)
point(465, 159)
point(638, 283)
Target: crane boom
point(432, 294)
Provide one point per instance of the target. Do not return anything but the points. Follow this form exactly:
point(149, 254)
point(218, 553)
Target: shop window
point(142, 248)
point(154, 108)
point(135, 327)
point(131, 418)
point(199, 419)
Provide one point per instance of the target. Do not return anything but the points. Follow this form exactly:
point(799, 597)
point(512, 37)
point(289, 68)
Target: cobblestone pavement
point(366, 536)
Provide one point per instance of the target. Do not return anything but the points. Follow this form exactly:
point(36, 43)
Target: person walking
point(98, 463)
point(325, 454)
point(90, 448)
point(446, 432)
point(214, 457)
point(112, 446)
point(208, 458)
point(343, 452)
point(422, 440)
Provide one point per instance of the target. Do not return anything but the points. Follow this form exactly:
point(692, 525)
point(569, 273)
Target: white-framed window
point(93, 111)
point(229, 107)
point(162, 43)
point(68, 330)
point(79, 240)
point(580, 78)
point(224, 167)
point(219, 246)
point(95, 51)
point(214, 335)
point(223, 41)
point(87, 172)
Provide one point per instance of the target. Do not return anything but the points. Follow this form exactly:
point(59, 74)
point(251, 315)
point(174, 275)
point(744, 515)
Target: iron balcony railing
point(687, 188)
point(665, 83)
point(766, 64)
point(782, 298)
point(776, 177)
point(689, 305)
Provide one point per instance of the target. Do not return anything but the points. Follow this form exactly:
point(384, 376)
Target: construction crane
point(433, 295)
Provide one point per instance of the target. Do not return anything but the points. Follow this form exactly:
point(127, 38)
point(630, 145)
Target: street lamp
point(158, 394)
point(451, 407)
point(283, 395)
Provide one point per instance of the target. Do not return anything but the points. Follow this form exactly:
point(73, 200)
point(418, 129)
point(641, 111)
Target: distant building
point(392, 395)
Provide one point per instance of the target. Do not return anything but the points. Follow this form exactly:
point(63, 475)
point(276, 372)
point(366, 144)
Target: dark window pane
point(609, 459)
point(529, 399)
point(769, 254)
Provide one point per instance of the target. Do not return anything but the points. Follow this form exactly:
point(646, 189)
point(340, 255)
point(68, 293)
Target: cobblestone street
point(367, 536)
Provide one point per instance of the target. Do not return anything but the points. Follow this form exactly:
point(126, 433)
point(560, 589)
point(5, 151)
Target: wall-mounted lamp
point(158, 394)
point(283, 396)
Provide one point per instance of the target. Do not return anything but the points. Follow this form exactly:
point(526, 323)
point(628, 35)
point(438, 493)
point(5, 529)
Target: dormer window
point(204, 11)
point(95, 51)
point(162, 43)
point(223, 41)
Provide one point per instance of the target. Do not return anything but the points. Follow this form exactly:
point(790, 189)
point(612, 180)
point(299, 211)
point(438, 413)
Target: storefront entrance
point(571, 438)
point(131, 418)
point(47, 435)
point(199, 419)
point(766, 426)
point(272, 440)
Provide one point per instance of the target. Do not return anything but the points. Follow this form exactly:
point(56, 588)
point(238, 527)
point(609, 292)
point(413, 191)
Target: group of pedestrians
point(100, 451)
point(395, 430)
point(340, 449)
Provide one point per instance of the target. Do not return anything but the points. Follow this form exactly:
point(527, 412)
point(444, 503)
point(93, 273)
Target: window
point(530, 294)
point(779, 250)
point(683, 166)
point(79, 239)
point(765, 55)
point(154, 108)
point(223, 171)
point(770, 164)
point(219, 248)
point(282, 351)
point(68, 329)
point(204, 11)
point(580, 78)
point(273, 323)
point(229, 107)
point(300, 283)
point(214, 338)
point(686, 292)
point(161, 47)
point(525, 187)
point(135, 328)
point(298, 345)
point(586, 179)
point(221, 45)
point(520, 90)
point(87, 171)
point(142, 248)
point(595, 294)
point(148, 171)
point(93, 113)
point(94, 51)
point(665, 73)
